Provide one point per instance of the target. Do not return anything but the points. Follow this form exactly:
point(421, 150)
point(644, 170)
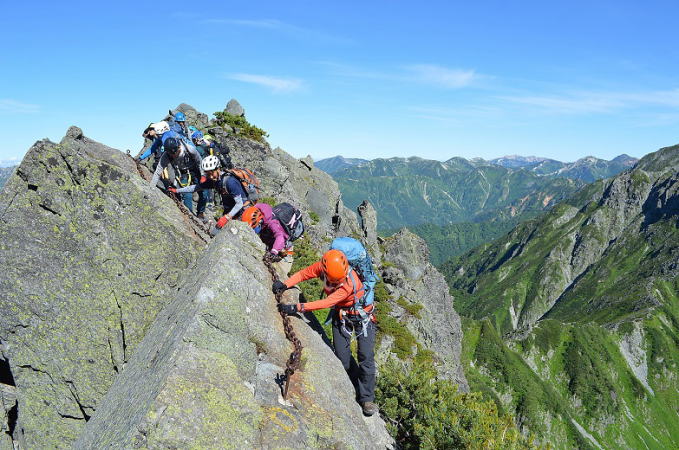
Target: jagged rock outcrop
point(368, 217)
point(409, 276)
point(234, 108)
point(90, 254)
point(205, 374)
point(193, 117)
point(292, 180)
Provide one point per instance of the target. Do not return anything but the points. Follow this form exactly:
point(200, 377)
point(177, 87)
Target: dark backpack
point(290, 219)
point(249, 182)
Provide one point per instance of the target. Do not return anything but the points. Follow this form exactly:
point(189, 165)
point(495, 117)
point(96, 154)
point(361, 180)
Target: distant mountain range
point(587, 169)
point(5, 172)
point(572, 319)
point(337, 163)
point(413, 191)
point(458, 204)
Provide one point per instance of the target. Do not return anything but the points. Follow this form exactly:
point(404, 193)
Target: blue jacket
point(177, 128)
point(159, 142)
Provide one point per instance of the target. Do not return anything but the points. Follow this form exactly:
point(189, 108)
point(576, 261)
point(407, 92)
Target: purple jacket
point(272, 234)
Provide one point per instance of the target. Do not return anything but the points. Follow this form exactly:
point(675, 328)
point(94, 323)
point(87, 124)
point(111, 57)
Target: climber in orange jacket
point(344, 291)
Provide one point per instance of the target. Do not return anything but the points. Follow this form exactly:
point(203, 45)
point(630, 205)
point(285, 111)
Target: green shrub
point(411, 308)
point(314, 218)
point(423, 412)
point(241, 126)
point(268, 200)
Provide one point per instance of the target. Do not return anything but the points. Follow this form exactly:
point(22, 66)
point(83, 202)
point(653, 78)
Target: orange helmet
point(335, 266)
point(253, 216)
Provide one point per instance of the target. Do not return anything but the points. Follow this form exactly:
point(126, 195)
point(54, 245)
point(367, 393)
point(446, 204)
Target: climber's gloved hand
point(278, 287)
point(173, 190)
point(203, 179)
point(222, 221)
point(287, 309)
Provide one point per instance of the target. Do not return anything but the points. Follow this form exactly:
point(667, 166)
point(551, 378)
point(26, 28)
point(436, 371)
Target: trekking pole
point(296, 356)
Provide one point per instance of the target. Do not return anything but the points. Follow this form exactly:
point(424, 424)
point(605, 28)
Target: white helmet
point(210, 162)
point(161, 127)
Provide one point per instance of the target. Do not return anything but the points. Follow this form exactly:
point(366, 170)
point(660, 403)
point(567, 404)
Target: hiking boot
point(202, 217)
point(369, 408)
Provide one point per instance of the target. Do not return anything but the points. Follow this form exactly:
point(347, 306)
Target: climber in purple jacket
point(271, 232)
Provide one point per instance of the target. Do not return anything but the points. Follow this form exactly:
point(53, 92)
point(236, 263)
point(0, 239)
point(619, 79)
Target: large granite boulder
point(206, 373)
point(234, 108)
point(90, 254)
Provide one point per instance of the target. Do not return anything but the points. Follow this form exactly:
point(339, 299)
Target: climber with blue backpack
point(350, 295)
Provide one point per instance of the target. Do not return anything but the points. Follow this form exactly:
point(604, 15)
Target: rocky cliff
point(422, 302)
point(123, 324)
point(90, 254)
point(205, 374)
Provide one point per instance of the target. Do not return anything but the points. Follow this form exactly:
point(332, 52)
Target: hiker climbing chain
point(296, 356)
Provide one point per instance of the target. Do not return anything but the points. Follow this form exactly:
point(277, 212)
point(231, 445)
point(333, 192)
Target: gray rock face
point(205, 374)
point(90, 254)
point(368, 217)
point(8, 409)
point(411, 276)
point(234, 108)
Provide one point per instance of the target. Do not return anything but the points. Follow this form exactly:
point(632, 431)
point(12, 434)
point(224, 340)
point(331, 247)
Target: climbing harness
point(296, 356)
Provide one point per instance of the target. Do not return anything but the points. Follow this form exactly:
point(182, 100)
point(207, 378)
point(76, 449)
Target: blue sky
point(361, 79)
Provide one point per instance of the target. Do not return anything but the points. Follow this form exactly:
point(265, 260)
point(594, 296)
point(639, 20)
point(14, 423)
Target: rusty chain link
point(203, 227)
point(296, 356)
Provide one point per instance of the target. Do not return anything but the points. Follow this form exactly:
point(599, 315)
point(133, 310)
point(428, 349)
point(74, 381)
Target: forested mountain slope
point(574, 317)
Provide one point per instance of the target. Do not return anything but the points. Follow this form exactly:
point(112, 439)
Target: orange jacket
point(341, 296)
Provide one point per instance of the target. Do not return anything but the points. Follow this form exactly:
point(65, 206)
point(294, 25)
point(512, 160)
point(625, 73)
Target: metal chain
point(179, 204)
point(295, 358)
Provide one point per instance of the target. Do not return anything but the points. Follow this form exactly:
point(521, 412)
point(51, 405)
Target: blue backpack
point(360, 261)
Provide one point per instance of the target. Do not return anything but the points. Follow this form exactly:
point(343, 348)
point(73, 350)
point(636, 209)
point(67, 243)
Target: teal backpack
point(360, 261)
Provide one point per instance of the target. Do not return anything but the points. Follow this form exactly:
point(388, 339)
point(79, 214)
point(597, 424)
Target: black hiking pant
point(362, 375)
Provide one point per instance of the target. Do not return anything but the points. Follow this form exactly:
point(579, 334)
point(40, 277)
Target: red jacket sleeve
point(312, 271)
point(331, 300)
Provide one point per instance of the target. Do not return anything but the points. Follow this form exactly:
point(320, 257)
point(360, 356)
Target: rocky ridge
point(123, 287)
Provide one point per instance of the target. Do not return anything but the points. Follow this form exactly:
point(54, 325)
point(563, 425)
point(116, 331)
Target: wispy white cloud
point(597, 102)
point(448, 78)
point(15, 107)
point(282, 27)
point(442, 76)
point(276, 84)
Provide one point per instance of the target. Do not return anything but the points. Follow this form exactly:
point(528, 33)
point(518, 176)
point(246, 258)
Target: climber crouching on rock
point(234, 196)
point(344, 291)
point(179, 165)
